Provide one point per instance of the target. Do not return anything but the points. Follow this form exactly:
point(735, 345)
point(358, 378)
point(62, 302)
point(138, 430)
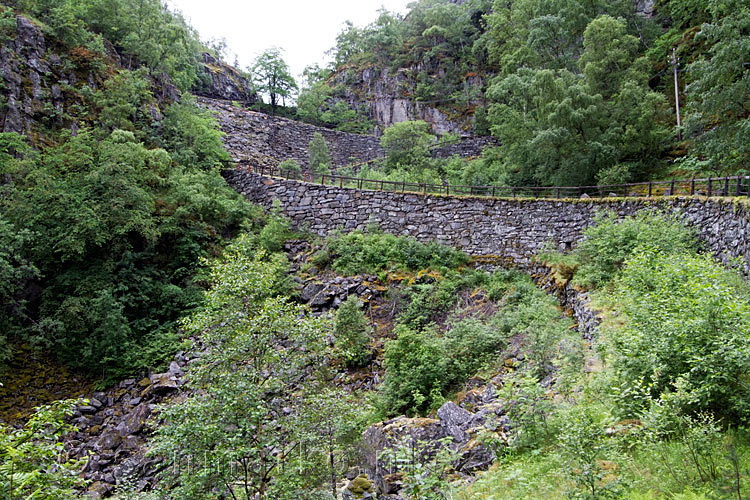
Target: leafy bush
point(351, 333)
point(416, 365)
point(471, 345)
point(686, 332)
point(290, 166)
point(406, 144)
point(426, 300)
point(33, 463)
point(585, 445)
point(359, 252)
point(609, 242)
point(276, 230)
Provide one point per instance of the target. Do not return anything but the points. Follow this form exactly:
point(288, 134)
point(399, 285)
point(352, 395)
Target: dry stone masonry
point(265, 141)
point(515, 229)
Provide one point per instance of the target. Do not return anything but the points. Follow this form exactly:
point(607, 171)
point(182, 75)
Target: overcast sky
point(304, 29)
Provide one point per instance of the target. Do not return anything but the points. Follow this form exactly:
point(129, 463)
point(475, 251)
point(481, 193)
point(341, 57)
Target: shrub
point(320, 156)
point(359, 252)
point(32, 461)
point(585, 445)
point(276, 230)
point(426, 300)
point(609, 242)
point(406, 144)
point(687, 332)
point(471, 345)
point(422, 367)
point(417, 367)
point(290, 166)
point(351, 333)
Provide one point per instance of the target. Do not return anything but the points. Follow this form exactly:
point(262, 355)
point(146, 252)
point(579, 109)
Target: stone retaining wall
point(515, 229)
point(265, 141)
point(468, 147)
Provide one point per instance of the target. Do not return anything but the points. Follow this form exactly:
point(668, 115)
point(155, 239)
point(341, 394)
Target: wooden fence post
point(709, 187)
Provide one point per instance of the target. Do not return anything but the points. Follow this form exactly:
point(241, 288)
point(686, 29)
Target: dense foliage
point(374, 251)
point(257, 419)
point(578, 92)
point(106, 229)
point(319, 155)
point(351, 333)
point(33, 462)
point(687, 335)
point(666, 388)
point(609, 242)
point(423, 364)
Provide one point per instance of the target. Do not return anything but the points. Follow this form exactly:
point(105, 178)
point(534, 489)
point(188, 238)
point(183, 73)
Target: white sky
point(304, 29)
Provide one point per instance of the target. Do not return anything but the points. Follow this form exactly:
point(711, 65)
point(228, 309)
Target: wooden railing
point(738, 185)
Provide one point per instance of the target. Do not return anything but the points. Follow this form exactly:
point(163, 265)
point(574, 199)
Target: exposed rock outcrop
point(387, 97)
point(112, 429)
point(221, 81)
point(36, 83)
point(455, 427)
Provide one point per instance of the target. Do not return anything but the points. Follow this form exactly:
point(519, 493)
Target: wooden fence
point(711, 186)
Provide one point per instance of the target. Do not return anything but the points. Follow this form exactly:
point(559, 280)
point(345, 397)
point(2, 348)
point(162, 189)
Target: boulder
point(161, 385)
point(135, 420)
point(461, 426)
point(361, 487)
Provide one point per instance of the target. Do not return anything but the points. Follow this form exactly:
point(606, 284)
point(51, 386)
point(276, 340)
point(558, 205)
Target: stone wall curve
point(513, 229)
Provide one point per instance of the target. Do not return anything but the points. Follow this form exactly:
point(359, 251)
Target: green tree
point(406, 145)
point(720, 90)
point(272, 78)
point(245, 402)
point(608, 55)
point(333, 423)
point(319, 155)
point(553, 130)
point(351, 333)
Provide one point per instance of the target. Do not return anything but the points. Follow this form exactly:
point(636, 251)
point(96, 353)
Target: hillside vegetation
point(363, 364)
point(107, 208)
point(577, 92)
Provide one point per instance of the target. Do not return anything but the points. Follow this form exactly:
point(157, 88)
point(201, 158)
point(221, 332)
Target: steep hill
point(110, 192)
point(577, 92)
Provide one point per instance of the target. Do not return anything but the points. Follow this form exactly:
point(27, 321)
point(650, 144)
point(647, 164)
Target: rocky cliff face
point(387, 97)
point(221, 81)
point(42, 82)
point(39, 84)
